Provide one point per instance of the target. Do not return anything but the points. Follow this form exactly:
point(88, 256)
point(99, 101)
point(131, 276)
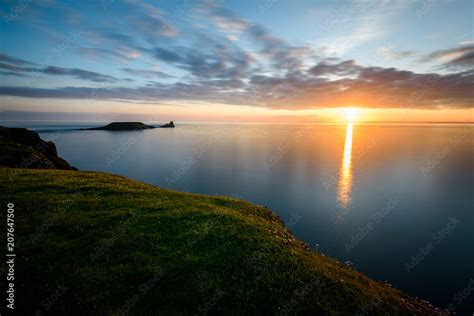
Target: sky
point(262, 60)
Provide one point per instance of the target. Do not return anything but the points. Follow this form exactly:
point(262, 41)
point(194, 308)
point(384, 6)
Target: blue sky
point(267, 54)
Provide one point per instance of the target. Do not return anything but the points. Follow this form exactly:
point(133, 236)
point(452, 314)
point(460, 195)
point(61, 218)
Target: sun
point(351, 114)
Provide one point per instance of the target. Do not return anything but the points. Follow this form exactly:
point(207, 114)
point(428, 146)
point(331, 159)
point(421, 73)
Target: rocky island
point(121, 126)
point(169, 125)
point(126, 126)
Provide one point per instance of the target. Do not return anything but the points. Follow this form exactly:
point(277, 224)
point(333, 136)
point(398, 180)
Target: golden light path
point(345, 176)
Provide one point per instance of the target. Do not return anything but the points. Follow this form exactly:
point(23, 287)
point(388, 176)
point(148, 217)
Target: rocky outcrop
point(22, 148)
point(122, 126)
point(170, 124)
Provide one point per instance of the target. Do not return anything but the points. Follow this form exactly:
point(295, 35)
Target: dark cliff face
point(122, 126)
point(22, 148)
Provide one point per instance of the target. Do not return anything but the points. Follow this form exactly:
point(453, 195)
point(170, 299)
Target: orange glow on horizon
point(213, 112)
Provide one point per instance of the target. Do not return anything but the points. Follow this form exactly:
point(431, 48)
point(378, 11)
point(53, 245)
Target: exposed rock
point(22, 148)
point(122, 126)
point(170, 124)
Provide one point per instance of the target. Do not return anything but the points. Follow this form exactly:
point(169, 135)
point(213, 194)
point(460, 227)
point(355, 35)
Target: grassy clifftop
point(93, 243)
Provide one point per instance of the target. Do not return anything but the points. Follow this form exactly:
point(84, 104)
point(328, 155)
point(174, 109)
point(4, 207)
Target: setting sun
point(351, 114)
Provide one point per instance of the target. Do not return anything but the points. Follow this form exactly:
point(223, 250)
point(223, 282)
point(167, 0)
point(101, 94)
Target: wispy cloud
point(15, 61)
point(147, 73)
point(453, 58)
point(15, 67)
point(396, 55)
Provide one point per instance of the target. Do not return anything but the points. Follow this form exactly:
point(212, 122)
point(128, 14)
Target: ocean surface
point(395, 201)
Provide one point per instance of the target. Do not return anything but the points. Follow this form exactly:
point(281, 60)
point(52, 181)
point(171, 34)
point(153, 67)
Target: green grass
point(114, 242)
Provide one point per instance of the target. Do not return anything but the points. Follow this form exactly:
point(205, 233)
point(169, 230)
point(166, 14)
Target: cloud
point(355, 24)
point(465, 60)
point(261, 36)
point(151, 22)
point(348, 67)
point(33, 72)
point(279, 54)
point(99, 53)
point(167, 54)
point(78, 73)
point(14, 68)
point(15, 61)
point(459, 57)
point(276, 54)
point(396, 55)
point(226, 21)
point(221, 61)
point(146, 73)
point(375, 87)
point(362, 34)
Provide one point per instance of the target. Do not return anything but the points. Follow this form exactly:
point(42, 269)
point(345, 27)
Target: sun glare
point(351, 114)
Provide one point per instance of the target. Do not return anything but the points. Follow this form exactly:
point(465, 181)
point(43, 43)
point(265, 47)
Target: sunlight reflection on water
point(345, 177)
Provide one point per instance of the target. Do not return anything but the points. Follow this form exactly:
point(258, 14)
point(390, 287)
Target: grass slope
point(93, 243)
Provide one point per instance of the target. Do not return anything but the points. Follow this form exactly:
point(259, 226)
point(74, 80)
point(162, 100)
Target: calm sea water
point(396, 201)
